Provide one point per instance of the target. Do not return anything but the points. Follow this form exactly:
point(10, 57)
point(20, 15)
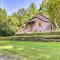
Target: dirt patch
point(8, 57)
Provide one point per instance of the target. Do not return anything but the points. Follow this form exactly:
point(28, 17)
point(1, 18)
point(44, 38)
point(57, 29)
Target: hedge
point(39, 33)
point(32, 38)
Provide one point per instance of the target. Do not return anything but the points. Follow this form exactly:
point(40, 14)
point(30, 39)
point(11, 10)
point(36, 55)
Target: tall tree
point(8, 24)
point(25, 14)
point(3, 14)
point(52, 9)
point(44, 8)
point(33, 9)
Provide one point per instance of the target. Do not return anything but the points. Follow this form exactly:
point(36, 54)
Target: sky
point(14, 5)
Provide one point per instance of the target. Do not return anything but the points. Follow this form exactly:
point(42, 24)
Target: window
point(40, 24)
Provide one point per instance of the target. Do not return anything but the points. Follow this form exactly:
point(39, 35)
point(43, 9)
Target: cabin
point(39, 23)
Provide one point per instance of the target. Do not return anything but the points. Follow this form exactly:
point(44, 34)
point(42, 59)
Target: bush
point(39, 33)
point(32, 38)
point(8, 27)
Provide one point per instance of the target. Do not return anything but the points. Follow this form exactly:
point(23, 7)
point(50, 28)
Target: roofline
point(37, 18)
point(42, 19)
point(42, 15)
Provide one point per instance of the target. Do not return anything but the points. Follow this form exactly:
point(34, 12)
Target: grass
point(25, 50)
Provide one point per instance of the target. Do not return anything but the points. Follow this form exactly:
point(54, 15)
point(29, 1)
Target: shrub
point(32, 38)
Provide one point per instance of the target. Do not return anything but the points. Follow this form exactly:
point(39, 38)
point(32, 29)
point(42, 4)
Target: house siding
point(44, 26)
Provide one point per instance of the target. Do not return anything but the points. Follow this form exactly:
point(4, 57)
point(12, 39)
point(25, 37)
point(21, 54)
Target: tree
point(33, 9)
point(44, 8)
point(54, 11)
point(51, 8)
point(20, 15)
point(8, 24)
point(13, 23)
point(3, 14)
point(25, 14)
point(2, 20)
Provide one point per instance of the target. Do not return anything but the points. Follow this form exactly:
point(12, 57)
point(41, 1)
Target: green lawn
point(24, 50)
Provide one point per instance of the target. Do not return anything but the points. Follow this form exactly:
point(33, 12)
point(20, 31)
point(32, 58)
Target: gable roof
point(40, 17)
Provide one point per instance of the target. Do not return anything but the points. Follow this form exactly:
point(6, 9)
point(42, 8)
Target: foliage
point(8, 25)
point(3, 14)
point(46, 36)
point(43, 38)
point(44, 8)
point(25, 14)
point(52, 9)
point(33, 9)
